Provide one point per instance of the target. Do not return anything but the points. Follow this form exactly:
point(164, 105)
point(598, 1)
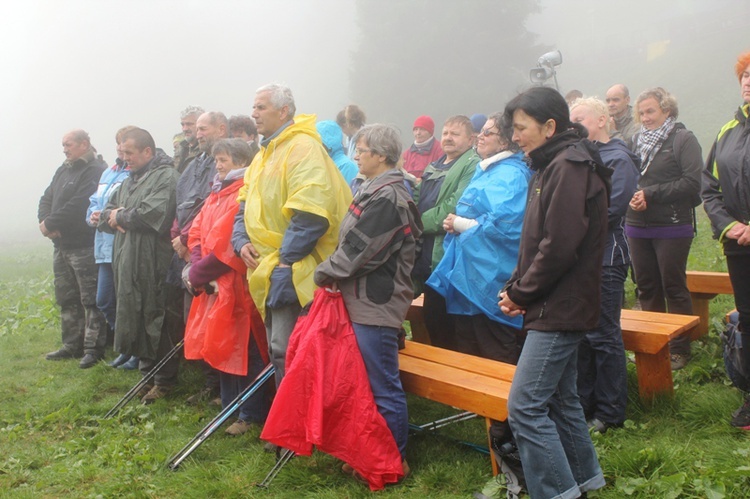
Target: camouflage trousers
point(83, 325)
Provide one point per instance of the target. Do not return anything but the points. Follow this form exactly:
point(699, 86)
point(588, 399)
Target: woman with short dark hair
point(555, 286)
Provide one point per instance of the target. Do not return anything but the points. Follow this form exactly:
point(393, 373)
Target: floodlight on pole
point(546, 68)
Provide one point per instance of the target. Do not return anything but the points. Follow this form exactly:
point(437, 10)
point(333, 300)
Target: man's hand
point(113, 220)
point(94, 218)
point(249, 256)
point(740, 232)
point(638, 202)
point(508, 307)
point(47, 233)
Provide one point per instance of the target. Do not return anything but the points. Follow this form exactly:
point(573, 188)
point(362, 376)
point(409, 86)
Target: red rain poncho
point(219, 325)
point(325, 397)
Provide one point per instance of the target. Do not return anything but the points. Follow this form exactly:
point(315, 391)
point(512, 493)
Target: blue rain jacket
point(479, 261)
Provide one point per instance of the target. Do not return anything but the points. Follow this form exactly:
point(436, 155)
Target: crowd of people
point(519, 229)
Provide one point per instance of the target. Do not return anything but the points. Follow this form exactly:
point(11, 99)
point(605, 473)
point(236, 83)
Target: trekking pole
point(144, 381)
point(266, 374)
point(280, 463)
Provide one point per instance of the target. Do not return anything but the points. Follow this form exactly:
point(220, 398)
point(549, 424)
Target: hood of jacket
point(619, 144)
point(331, 135)
point(581, 150)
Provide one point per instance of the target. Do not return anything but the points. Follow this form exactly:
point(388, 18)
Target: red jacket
point(219, 325)
point(325, 397)
point(415, 161)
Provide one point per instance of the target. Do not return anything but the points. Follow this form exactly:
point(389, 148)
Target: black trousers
point(660, 266)
point(440, 325)
point(739, 274)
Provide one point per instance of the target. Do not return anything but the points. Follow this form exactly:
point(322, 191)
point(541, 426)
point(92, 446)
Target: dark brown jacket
point(558, 276)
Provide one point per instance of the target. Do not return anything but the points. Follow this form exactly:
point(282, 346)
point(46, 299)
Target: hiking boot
point(62, 354)
point(679, 360)
point(204, 394)
point(238, 428)
point(601, 426)
point(131, 364)
point(88, 360)
point(119, 360)
point(741, 417)
point(143, 391)
point(156, 393)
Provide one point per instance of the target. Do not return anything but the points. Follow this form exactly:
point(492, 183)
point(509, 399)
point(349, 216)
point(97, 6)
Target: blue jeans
point(255, 409)
point(379, 348)
point(547, 419)
point(105, 293)
point(602, 372)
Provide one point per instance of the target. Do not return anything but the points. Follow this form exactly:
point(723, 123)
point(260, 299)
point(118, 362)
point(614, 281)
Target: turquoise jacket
point(333, 140)
point(478, 262)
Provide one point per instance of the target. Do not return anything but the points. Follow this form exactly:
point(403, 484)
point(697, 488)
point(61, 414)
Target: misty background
point(100, 65)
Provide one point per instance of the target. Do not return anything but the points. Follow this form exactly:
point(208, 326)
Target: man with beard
point(186, 142)
point(62, 214)
point(139, 214)
point(193, 188)
point(443, 182)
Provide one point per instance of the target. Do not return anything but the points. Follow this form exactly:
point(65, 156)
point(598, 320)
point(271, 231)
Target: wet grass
point(54, 442)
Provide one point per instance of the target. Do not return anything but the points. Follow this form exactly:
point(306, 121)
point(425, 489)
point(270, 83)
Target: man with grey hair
point(186, 142)
point(193, 188)
point(621, 112)
point(292, 203)
point(62, 218)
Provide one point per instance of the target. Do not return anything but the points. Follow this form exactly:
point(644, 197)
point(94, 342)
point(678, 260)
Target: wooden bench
point(704, 286)
point(470, 383)
point(647, 334)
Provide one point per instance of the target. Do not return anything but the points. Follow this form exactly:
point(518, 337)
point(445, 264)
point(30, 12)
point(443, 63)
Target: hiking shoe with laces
point(205, 393)
point(741, 417)
point(156, 393)
point(679, 361)
point(509, 459)
point(238, 428)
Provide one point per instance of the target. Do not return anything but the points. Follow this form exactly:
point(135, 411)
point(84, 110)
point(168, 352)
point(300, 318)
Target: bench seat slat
point(462, 361)
point(472, 392)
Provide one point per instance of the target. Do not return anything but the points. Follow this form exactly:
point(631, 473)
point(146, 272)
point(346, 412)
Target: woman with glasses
point(372, 266)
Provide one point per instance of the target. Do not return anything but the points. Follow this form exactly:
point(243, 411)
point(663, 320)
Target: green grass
point(54, 442)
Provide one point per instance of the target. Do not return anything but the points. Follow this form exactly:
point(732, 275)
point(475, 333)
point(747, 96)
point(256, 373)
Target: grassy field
point(54, 442)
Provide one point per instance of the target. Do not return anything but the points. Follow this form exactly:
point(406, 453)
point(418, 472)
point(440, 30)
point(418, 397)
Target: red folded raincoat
point(219, 325)
point(325, 397)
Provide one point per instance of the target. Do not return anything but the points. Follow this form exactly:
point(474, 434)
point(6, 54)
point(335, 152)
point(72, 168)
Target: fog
point(100, 65)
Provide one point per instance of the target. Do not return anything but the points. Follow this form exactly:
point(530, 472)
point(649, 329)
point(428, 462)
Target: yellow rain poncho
point(293, 172)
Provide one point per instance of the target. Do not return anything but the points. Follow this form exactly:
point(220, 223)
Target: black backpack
point(731, 338)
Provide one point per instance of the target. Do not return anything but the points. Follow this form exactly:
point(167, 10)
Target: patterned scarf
point(650, 141)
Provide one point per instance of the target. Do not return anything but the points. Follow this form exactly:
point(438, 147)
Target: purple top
point(663, 232)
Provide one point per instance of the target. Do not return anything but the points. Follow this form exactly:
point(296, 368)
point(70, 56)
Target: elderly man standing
point(621, 112)
point(140, 214)
point(193, 188)
point(62, 218)
point(186, 142)
point(292, 204)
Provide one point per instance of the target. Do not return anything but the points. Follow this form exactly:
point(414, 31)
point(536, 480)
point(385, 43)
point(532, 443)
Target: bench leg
point(654, 374)
point(495, 469)
point(700, 308)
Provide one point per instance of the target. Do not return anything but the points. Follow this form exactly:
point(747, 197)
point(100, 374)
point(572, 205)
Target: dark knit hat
point(426, 123)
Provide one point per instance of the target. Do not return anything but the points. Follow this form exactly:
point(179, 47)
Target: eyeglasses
point(360, 152)
point(486, 132)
